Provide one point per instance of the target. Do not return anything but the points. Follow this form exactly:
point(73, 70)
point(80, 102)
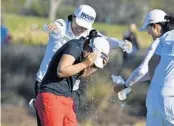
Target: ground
point(16, 116)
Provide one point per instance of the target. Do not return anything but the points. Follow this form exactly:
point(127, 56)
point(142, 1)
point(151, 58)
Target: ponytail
point(170, 22)
point(93, 33)
point(70, 17)
point(168, 25)
point(90, 38)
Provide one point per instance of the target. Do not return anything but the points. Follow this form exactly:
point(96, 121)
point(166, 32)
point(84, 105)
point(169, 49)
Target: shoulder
point(155, 43)
point(62, 22)
point(73, 48)
point(74, 43)
point(168, 36)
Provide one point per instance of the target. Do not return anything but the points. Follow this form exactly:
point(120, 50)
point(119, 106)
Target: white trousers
point(160, 109)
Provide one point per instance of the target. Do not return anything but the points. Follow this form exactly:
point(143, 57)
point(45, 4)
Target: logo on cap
point(87, 17)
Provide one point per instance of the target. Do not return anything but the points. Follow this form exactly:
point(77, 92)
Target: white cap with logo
point(102, 47)
point(85, 16)
point(154, 16)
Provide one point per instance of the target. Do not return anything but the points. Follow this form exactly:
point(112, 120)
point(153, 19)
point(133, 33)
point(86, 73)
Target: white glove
point(122, 95)
point(31, 103)
point(126, 46)
point(117, 79)
point(60, 31)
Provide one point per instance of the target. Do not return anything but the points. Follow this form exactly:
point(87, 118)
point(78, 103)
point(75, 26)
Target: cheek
point(74, 25)
point(149, 31)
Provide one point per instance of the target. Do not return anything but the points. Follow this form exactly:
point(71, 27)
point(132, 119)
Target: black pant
point(77, 94)
point(76, 98)
point(37, 87)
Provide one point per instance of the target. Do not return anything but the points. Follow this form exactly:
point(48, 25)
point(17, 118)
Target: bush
point(13, 6)
point(39, 8)
point(28, 30)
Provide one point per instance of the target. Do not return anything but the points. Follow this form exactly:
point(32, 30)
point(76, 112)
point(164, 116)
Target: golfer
point(160, 97)
point(78, 57)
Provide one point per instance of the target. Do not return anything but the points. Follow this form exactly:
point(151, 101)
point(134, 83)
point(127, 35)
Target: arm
point(72, 52)
point(154, 61)
point(66, 67)
point(115, 43)
point(137, 76)
point(56, 29)
point(141, 73)
point(89, 71)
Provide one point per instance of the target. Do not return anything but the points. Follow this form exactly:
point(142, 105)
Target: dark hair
point(93, 33)
point(170, 22)
point(70, 17)
point(166, 26)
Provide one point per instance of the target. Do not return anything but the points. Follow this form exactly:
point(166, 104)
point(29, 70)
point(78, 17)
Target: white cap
point(154, 16)
point(85, 16)
point(101, 45)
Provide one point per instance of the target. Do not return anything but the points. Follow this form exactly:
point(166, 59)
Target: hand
point(88, 71)
point(52, 27)
point(89, 61)
point(31, 103)
point(118, 87)
point(127, 46)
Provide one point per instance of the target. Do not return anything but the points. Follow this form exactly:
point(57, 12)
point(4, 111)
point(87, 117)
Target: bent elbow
point(60, 74)
point(142, 72)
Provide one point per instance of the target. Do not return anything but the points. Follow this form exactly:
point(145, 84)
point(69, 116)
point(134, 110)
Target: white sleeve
point(114, 43)
point(60, 23)
point(60, 31)
point(141, 73)
point(137, 76)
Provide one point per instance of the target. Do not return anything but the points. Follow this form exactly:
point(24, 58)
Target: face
point(154, 31)
point(77, 30)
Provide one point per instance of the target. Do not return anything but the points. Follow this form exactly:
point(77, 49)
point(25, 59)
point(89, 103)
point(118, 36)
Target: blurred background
point(23, 44)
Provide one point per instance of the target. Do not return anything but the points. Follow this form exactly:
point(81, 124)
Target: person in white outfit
point(158, 66)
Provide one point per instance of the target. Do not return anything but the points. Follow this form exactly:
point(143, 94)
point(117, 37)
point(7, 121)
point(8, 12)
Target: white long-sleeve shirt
point(57, 40)
point(164, 72)
point(141, 72)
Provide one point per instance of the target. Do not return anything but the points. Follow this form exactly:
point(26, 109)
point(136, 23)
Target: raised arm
point(115, 43)
point(67, 67)
point(56, 29)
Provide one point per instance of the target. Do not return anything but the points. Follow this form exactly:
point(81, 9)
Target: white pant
point(160, 109)
point(154, 119)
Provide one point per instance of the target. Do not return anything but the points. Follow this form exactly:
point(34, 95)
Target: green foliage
point(63, 11)
point(39, 8)
point(28, 29)
point(12, 5)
